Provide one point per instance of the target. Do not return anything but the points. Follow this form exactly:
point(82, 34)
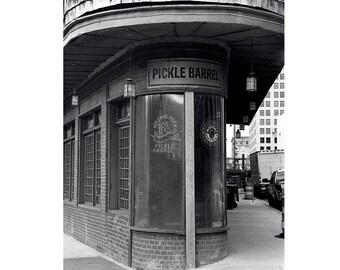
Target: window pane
point(267, 130)
point(268, 103)
point(209, 166)
point(98, 167)
point(124, 160)
point(276, 85)
point(282, 94)
point(89, 168)
point(261, 112)
point(282, 103)
point(267, 112)
point(159, 189)
point(67, 170)
point(282, 85)
point(276, 94)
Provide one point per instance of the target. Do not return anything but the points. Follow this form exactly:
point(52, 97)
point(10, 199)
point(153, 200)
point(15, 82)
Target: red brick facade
point(106, 232)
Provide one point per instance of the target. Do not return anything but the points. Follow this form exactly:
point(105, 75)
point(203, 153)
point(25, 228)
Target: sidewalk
point(251, 245)
point(78, 256)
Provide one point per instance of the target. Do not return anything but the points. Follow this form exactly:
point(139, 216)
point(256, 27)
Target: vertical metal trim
point(189, 181)
point(131, 176)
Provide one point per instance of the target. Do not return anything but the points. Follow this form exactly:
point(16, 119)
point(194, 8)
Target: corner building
point(144, 171)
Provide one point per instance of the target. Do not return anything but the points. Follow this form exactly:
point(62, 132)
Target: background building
point(264, 127)
point(241, 152)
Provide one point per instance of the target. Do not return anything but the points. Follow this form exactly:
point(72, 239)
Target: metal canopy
point(88, 48)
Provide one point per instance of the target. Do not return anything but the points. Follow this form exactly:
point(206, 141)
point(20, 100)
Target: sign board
point(183, 72)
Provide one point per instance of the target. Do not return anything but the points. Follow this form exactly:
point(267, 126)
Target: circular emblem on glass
point(210, 132)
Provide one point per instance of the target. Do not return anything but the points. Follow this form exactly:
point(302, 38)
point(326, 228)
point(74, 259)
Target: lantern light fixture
point(251, 85)
point(75, 99)
point(129, 88)
point(238, 134)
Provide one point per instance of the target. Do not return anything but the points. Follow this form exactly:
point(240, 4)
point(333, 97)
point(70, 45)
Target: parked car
point(275, 189)
point(261, 189)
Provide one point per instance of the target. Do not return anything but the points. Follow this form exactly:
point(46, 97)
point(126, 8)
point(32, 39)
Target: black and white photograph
point(158, 135)
point(173, 134)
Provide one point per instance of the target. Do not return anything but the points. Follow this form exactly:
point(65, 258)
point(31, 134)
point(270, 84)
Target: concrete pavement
point(251, 246)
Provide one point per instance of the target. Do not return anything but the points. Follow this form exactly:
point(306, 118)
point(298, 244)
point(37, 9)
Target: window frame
point(69, 139)
point(96, 181)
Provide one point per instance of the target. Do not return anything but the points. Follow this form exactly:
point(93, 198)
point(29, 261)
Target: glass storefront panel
point(159, 168)
point(209, 161)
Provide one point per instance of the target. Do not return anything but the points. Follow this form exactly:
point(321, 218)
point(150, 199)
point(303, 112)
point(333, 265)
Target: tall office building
point(263, 129)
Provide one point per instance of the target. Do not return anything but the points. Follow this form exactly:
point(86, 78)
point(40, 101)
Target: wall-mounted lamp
point(129, 89)
point(251, 85)
point(252, 105)
point(245, 119)
point(75, 99)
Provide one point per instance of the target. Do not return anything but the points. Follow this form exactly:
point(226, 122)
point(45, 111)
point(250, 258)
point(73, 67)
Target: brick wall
point(211, 247)
point(106, 232)
point(158, 251)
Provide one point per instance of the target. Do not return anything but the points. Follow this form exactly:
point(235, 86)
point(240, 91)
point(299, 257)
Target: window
point(268, 95)
point(275, 147)
point(276, 85)
point(267, 121)
point(276, 104)
point(247, 142)
point(261, 130)
point(91, 149)
point(268, 103)
point(159, 167)
point(261, 148)
point(267, 112)
point(261, 112)
point(282, 85)
point(275, 140)
point(261, 122)
point(267, 140)
point(282, 103)
point(282, 76)
point(267, 130)
point(262, 104)
point(282, 94)
point(268, 148)
point(261, 139)
point(69, 131)
point(119, 166)
point(275, 130)
point(276, 112)
point(281, 112)
point(275, 122)
point(276, 94)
